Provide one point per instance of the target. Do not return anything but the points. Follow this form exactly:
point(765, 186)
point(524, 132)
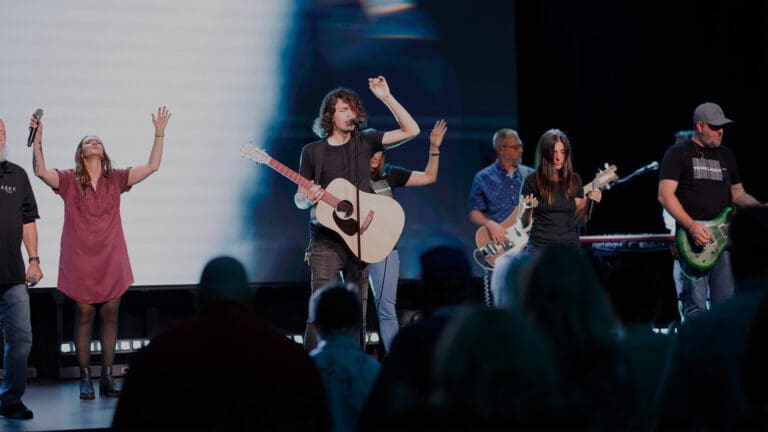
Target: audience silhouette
point(222, 368)
point(562, 295)
point(348, 372)
point(493, 370)
point(506, 279)
point(632, 290)
point(400, 395)
point(703, 382)
point(756, 370)
point(552, 355)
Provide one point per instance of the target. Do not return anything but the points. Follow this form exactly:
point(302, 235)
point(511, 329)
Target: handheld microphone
point(31, 280)
point(32, 131)
point(357, 122)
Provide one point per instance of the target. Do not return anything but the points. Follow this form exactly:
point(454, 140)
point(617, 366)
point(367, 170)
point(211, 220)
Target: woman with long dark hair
point(555, 194)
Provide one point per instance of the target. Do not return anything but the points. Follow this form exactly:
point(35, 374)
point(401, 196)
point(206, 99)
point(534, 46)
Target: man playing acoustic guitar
point(344, 151)
point(698, 183)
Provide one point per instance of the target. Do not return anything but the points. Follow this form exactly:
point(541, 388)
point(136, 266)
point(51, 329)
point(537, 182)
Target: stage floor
point(57, 406)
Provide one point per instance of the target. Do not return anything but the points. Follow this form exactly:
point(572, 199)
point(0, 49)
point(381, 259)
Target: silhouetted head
point(224, 281)
point(506, 280)
point(562, 294)
point(335, 309)
point(494, 369)
point(446, 277)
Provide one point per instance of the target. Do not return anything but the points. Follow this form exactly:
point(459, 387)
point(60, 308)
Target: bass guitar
point(705, 257)
point(516, 236)
point(382, 218)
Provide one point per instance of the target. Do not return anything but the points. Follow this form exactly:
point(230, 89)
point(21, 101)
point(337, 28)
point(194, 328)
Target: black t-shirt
point(704, 177)
point(556, 222)
point(323, 163)
point(17, 207)
point(392, 177)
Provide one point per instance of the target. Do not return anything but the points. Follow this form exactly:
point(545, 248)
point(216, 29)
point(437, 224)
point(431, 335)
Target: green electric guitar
point(705, 257)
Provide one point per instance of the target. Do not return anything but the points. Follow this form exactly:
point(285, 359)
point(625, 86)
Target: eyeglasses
point(714, 127)
point(514, 147)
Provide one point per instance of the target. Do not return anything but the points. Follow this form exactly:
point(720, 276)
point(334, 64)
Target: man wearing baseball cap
point(698, 181)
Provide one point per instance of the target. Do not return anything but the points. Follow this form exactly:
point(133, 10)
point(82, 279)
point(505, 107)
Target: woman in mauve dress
point(94, 270)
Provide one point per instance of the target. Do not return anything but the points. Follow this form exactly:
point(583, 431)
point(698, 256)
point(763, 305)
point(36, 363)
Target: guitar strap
point(319, 156)
point(319, 161)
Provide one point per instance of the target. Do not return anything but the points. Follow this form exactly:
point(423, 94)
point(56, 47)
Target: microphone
point(31, 280)
point(653, 166)
point(650, 167)
point(32, 131)
point(357, 122)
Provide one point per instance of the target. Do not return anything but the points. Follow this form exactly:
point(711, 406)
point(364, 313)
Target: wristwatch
point(34, 259)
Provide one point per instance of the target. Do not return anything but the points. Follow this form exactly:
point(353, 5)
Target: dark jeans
point(330, 259)
point(16, 324)
point(715, 284)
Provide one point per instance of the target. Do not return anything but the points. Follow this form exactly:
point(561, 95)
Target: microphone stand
point(653, 166)
point(590, 207)
point(650, 167)
point(363, 285)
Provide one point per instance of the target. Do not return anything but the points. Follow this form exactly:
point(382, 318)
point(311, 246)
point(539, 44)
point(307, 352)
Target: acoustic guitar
point(382, 218)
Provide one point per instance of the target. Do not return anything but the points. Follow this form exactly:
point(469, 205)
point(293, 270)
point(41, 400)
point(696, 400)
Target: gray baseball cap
point(710, 113)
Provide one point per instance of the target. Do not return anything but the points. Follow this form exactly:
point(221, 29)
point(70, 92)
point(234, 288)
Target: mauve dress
point(93, 265)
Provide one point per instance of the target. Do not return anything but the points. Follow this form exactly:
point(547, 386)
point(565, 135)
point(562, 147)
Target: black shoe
point(108, 387)
point(86, 388)
point(17, 411)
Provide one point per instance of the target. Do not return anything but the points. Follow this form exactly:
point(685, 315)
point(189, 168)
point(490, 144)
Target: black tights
point(84, 315)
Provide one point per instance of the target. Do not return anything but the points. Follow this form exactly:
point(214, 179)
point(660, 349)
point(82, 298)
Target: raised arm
point(429, 175)
point(49, 177)
point(408, 126)
point(139, 173)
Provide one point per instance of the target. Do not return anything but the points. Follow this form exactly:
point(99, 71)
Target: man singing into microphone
point(18, 211)
point(339, 125)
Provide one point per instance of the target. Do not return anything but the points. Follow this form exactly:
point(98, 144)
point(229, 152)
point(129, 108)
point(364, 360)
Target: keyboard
point(627, 242)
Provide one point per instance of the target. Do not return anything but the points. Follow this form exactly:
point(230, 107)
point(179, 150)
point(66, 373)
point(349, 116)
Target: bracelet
point(690, 225)
point(435, 154)
point(34, 258)
point(159, 136)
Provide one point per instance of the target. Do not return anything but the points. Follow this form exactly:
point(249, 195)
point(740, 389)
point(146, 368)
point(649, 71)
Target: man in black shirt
point(344, 151)
point(698, 180)
point(18, 211)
